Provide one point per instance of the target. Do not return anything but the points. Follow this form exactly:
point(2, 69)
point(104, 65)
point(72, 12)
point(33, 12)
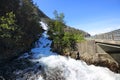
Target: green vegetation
point(19, 27)
point(63, 38)
point(8, 28)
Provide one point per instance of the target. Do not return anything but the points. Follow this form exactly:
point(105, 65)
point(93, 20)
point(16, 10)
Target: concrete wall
point(87, 47)
point(90, 50)
point(92, 53)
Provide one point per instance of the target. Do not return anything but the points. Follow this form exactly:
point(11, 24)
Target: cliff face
point(19, 27)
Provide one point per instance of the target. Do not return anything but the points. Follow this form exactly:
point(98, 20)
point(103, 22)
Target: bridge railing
point(113, 35)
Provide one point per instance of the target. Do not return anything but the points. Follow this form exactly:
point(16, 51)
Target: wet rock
point(2, 78)
point(39, 67)
point(53, 74)
point(12, 70)
point(101, 61)
point(74, 54)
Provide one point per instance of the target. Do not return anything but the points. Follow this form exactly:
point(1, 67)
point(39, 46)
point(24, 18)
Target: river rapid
point(55, 67)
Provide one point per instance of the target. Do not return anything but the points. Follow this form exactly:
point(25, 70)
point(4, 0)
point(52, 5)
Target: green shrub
point(63, 40)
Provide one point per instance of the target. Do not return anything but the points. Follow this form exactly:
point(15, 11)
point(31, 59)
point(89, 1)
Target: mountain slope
point(19, 27)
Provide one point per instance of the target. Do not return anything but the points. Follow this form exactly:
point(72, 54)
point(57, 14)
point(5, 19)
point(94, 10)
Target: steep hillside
point(71, 29)
point(19, 27)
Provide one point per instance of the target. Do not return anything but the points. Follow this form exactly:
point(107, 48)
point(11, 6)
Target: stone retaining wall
point(92, 53)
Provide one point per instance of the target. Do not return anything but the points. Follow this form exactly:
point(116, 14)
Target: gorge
point(35, 47)
point(43, 64)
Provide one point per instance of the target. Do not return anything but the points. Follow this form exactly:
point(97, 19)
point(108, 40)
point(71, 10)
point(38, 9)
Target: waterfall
point(56, 67)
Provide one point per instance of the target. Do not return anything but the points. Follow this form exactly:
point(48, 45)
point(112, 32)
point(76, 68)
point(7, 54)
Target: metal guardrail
point(113, 35)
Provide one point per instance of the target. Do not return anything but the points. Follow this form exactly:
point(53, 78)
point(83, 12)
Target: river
point(55, 67)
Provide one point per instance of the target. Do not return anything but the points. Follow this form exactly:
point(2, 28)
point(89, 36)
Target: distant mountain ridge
point(85, 34)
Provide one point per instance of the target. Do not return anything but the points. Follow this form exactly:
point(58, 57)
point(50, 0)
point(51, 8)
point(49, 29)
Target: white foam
point(44, 25)
point(59, 66)
point(77, 70)
point(42, 48)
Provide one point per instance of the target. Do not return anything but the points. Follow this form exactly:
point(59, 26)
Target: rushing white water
point(44, 26)
point(42, 48)
point(56, 67)
point(70, 69)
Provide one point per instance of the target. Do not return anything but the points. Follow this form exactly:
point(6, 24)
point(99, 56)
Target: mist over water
point(56, 67)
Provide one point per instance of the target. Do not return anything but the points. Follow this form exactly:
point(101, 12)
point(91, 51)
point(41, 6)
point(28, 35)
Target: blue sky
point(92, 16)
